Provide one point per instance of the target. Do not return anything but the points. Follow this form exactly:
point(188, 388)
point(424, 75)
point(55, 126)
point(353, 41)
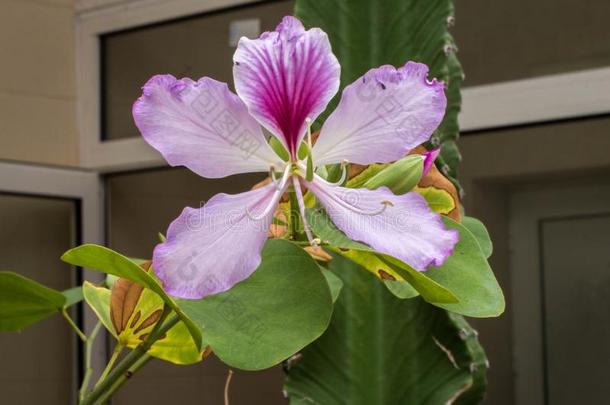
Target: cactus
point(380, 349)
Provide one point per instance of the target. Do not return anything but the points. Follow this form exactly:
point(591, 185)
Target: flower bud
point(400, 177)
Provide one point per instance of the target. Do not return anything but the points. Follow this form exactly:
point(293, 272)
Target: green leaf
point(374, 261)
point(480, 232)
point(401, 289)
point(334, 283)
point(379, 349)
point(73, 296)
point(98, 298)
point(282, 307)
point(110, 262)
point(465, 284)
point(177, 346)
point(468, 275)
point(279, 148)
point(24, 301)
point(439, 200)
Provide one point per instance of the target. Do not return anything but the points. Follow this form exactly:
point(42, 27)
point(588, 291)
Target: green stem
point(131, 359)
point(115, 355)
point(88, 369)
point(79, 332)
point(124, 377)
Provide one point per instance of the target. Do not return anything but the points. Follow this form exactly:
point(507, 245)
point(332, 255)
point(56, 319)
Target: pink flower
point(284, 80)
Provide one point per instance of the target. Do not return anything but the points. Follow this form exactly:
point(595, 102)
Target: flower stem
point(115, 355)
point(122, 371)
point(88, 369)
point(79, 332)
point(124, 377)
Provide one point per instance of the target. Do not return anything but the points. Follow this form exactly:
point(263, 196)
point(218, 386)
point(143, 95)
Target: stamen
point(385, 203)
point(310, 168)
point(339, 182)
point(274, 200)
point(274, 179)
point(297, 190)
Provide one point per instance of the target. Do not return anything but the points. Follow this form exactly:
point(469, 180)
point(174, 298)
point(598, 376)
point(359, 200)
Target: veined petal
point(210, 249)
point(286, 76)
point(382, 116)
point(203, 126)
point(401, 226)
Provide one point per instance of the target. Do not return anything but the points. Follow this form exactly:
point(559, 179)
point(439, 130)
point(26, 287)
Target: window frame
point(84, 188)
point(95, 18)
point(539, 99)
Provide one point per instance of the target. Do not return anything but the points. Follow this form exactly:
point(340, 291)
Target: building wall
point(37, 81)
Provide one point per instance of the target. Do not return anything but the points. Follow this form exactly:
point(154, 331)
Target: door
point(560, 278)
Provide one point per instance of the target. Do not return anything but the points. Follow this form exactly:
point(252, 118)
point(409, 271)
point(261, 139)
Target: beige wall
point(37, 81)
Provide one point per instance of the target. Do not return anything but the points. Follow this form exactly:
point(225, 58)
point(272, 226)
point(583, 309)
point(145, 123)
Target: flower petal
point(429, 159)
point(381, 116)
point(286, 76)
point(210, 249)
point(401, 226)
point(203, 126)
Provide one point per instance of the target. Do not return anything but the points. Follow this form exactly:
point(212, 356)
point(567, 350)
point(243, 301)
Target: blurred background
point(536, 164)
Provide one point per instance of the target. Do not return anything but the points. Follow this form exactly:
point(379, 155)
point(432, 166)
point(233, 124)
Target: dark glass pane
point(508, 40)
point(576, 292)
point(38, 363)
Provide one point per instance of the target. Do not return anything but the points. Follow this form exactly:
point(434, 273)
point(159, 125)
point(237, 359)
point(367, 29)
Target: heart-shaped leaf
point(282, 307)
point(468, 275)
point(24, 301)
point(480, 232)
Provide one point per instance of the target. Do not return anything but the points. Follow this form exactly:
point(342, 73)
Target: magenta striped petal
point(402, 226)
point(210, 249)
point(382, 116)
point(429, 159)
point(286, 76)
point(203, 126)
